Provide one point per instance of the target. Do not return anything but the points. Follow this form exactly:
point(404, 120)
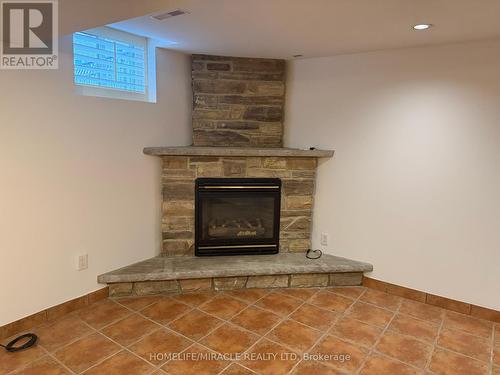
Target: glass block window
point(103, 60)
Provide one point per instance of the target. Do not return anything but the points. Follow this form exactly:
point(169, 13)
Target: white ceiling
point(282, 28)
point(77, 15)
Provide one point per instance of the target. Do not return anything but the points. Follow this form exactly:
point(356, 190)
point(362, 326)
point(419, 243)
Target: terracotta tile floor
point(280, 331)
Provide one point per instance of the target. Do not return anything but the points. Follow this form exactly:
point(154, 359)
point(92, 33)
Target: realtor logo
point(29, 34)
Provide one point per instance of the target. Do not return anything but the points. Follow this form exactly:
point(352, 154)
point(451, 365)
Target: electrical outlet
point(324, 239)
point(83, 262)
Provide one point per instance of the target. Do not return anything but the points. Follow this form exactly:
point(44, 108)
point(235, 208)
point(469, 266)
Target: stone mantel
point(238, 151)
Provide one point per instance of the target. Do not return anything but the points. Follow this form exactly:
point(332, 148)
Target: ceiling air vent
point(164, 16)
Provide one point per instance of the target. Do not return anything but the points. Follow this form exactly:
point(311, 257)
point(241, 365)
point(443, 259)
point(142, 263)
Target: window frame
point(111, 92)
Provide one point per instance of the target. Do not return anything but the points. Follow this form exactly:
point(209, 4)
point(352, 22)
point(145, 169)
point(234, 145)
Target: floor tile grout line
point(92, 332)
point(437, 346)
point(327, 331)
point(375, 351)
point(492, 353)
point(283, 318)
point(132, 311)
point(246, 368)
point(61, 364)
point(46, 354)
point(321, 336)
point(435, 343)
point(73, 340)
point(70, 342)
point(493, 344)
point(180, 316)
point(223, 322)
point(226, 292)
point(211, 350)
point(102, 359)
point(378, 306)
point(98, 331)
point(462, 354)
point(190, 346)
point(421, 320)
point(195, 342)
point(434, 347)
point(426, 342)
point(264, 336)
point(346, 314)
point(219, 324)
point(224, 369)
point(160, 326)
point(115, 342)
point(117, 300)
point(467, 333)
point(125, 348)
point(50, 355)
point(386, 328)
point(447, 313)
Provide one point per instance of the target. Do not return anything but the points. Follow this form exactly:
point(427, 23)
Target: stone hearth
point(187, 274)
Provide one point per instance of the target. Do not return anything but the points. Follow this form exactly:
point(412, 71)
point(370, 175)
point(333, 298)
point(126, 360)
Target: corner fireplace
point(237, 216)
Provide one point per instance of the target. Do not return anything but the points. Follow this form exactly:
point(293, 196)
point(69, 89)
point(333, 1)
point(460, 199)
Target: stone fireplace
point(236, 190)
point(237, 133)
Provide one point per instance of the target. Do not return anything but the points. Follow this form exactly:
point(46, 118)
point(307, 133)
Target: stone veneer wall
point(237, 101)
point(178, 177)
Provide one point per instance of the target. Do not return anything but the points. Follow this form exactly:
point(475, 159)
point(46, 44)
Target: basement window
point(112, 63)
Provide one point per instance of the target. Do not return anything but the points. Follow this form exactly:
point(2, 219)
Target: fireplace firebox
point(237, 216)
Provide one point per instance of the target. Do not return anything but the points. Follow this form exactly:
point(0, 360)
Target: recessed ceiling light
point(422, 26)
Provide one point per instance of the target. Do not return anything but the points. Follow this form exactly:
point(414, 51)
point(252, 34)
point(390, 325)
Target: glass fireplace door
point(237, 216)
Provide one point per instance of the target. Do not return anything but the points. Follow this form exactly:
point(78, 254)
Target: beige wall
point(414, 186)
point(73, 180)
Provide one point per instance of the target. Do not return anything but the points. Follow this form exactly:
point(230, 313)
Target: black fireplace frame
point(209, 187)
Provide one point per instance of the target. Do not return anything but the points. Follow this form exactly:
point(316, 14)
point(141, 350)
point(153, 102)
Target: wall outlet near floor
point(83, 262)
point(324, 239)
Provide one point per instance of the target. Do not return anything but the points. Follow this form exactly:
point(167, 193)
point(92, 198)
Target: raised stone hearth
point(187, 274)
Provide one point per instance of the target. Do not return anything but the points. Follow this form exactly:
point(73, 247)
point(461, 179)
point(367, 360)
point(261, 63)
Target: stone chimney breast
point(237, 102)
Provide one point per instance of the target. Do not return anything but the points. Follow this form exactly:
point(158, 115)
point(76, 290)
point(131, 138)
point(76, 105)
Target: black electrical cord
point(11, 346)
point(318, 253)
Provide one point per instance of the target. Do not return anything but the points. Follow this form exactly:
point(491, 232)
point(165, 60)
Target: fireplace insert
point(236, 216)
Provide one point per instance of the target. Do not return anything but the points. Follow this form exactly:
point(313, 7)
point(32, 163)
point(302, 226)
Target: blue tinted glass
point(106, 63)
